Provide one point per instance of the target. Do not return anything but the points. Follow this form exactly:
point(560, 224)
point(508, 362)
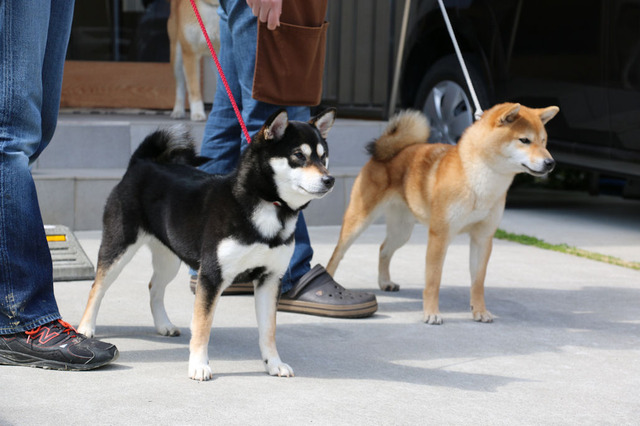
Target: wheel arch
point(429, 41)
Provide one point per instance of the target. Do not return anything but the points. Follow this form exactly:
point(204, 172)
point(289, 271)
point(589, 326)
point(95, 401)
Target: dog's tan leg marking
point(266, 300)
point(105, 276)
point(362, 210)
point(436, 252)
point(191, 63)
point(479, 252)
point(400, 223)
point(88, 322)
point(200, 332)
point(165, 268)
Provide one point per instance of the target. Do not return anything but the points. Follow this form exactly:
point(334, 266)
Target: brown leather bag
point(290, 59)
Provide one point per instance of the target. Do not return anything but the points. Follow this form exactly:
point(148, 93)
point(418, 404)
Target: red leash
point(222, 77)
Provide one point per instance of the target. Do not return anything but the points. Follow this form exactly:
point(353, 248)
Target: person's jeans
point(223, 139)
point(33, 40)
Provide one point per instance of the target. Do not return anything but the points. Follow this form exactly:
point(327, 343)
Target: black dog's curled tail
point(169, 146)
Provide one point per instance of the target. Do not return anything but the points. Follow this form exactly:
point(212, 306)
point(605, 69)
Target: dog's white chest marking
point(265, 218)
point(475, 216)
point(462, 215)
point(235, 258)
point(193, 33)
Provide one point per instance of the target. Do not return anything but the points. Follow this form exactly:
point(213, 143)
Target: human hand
point(267, 11)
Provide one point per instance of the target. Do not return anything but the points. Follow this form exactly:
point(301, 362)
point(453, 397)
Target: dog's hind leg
point(364, 207)
point(400, 223)
point(111, 260)
point(266, 299)
point(165, 268)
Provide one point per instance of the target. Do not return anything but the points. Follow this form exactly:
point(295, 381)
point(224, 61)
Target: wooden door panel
point(96, 84)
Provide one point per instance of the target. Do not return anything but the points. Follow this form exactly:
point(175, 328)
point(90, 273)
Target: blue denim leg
point(222, 132)
point(300, 262)
point(33, 42)
point(223, 139)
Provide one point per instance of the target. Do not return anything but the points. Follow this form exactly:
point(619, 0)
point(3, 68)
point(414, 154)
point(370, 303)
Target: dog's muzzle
point(547, 166)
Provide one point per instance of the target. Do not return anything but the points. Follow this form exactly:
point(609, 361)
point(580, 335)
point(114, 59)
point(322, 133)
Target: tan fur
point(200, 331)
point(91, 310)
point(406, 128)
point(451, 189)
point(187, 47)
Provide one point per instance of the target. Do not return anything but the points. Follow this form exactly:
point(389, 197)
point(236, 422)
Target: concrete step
point(89, 154)
point(75, 197)
point(103, 141)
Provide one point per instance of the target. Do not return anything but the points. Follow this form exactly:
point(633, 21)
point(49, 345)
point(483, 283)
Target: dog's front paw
point(278, 368)
point(198, 116)
point(197, 111)
point(482, 316)
point(86, 330)
point(388, 285)
point(178, 114)
point(200, 372)
point(168, 330)
point(432, 318)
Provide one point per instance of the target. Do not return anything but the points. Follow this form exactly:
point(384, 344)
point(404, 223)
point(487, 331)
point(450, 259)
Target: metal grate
point(70, 262)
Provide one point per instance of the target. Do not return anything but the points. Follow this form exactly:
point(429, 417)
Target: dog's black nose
point(328, 181)
point(549, 164)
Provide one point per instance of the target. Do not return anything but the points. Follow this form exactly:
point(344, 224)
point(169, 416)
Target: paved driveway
point(564, 348)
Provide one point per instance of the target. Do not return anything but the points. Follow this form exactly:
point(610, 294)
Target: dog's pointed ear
point(509, 115)
point(548, 113)
point(276, 125)
point(324, 121)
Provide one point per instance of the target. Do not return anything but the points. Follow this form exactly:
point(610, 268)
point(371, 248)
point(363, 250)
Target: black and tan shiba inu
point(233, 228)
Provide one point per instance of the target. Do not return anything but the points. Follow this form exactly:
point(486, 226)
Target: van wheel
point(444, 98)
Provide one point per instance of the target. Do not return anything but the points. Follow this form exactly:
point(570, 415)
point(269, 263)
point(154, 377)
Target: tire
point(443, 96)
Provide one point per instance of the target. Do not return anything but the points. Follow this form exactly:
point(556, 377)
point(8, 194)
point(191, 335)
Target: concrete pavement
point(603, 224)
point(563, 349)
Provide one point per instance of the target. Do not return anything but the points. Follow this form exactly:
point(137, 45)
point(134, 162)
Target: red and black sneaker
point(56, 345)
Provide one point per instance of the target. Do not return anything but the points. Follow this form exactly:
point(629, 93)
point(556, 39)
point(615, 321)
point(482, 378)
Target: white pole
point(478, 112)
point(396, 73)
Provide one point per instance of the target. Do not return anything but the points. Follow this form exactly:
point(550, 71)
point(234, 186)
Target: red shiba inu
point(187, 47)
point(452, 189)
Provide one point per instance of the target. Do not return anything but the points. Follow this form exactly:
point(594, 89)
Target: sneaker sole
point(361, 310)
point(232, 290)
point(238, 288)
point(30, 361)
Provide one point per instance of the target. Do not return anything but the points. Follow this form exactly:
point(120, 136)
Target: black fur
point(371, 148)
point(190, 211)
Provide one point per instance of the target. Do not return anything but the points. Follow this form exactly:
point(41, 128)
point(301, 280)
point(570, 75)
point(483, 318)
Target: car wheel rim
point(449, 112)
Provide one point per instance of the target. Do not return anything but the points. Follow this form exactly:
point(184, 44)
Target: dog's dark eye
point(299, 156)
point(525, 141)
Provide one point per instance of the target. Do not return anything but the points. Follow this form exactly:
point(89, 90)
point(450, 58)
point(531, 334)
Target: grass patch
point(564, 248)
